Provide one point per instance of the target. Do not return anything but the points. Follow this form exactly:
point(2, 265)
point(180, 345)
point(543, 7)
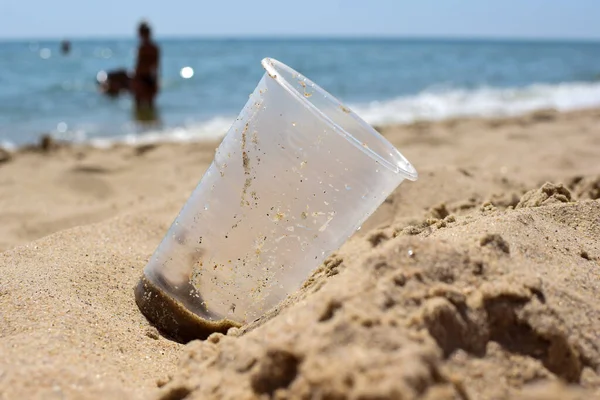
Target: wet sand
point(480, 280)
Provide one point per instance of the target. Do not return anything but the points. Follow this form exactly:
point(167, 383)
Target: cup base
point(171, 318)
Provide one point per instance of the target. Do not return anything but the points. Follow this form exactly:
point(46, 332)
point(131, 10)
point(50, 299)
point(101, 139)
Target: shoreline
point(47, 140)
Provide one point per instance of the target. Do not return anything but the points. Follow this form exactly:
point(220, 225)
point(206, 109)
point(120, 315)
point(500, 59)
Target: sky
point(560, 19)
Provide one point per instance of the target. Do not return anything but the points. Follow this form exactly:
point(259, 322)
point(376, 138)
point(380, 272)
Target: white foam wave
point(7, 145)
point(211, 130)
point(482, 102)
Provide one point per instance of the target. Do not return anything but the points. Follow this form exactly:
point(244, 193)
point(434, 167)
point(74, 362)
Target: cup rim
point(402, 166)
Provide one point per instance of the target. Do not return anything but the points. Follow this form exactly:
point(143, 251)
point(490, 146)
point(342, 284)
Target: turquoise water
point(384, 80)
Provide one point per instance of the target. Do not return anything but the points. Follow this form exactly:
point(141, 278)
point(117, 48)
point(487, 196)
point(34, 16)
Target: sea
point(205, 82)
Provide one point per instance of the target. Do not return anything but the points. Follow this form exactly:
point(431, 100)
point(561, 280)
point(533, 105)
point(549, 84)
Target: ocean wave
point(7, 145)
point(211, 130)
point(481, 102)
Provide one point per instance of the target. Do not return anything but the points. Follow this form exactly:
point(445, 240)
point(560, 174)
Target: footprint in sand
point(87, 180)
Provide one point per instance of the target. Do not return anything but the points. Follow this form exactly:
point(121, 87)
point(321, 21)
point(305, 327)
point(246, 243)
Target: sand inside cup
point(172, 318)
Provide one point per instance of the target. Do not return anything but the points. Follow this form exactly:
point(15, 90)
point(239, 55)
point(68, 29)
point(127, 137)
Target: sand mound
point(546, 195)
point(480, 307)
point(586, 187)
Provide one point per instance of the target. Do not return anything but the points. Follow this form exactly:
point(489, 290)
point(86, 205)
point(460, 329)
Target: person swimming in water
point(65, 47)
point(145, 81)
point(114, 83)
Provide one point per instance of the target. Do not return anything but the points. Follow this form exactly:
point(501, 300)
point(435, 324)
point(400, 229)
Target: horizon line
point(280, 37)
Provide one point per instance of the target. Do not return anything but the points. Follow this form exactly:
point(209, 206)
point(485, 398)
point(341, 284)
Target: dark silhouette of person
point(65, 47)
point(145, 81)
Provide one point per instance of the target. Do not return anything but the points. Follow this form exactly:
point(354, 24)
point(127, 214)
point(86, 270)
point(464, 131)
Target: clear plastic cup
point(296, 175)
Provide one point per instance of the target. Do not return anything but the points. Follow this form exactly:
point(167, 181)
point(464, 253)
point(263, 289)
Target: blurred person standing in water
point(145, 81)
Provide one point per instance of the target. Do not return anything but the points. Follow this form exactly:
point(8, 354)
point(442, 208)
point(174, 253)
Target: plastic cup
point(295, 176)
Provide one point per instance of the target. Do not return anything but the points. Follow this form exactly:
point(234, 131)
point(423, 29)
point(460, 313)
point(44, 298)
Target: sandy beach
point(481, 280)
